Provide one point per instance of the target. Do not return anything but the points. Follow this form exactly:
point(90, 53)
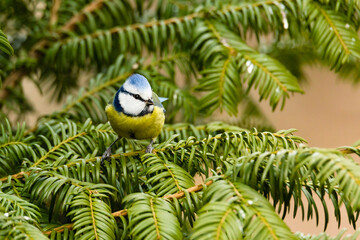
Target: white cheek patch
point(151, 108)
point(131, 105)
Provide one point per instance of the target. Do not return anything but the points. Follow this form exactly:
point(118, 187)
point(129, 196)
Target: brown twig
point(54, 12)
point(59, 229)
point(195, 188)
point(81, 16)
point(16, 176)
point(11, 81)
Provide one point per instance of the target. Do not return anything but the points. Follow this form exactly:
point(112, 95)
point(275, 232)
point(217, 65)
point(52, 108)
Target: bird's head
point(135, 96)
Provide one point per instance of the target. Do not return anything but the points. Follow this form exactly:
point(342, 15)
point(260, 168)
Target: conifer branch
point(196, 15)
point(334, 28)
point(265, 70)
point(57, 147)
point(124, 212)
point(257, 213)
point(22, 174)
point(92, 215)
point(91, 7)
point(17, 75)
point(155, 220)
point(13, 143)
point(136, 26)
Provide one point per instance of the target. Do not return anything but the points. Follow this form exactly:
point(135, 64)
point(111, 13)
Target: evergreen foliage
point(197, 54)
point(5, 45)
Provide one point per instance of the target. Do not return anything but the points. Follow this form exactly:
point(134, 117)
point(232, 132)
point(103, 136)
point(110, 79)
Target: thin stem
point(54, 12)
point(158, 236)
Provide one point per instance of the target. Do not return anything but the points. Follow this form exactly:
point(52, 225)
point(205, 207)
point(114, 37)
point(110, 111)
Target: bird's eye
point(137, 96)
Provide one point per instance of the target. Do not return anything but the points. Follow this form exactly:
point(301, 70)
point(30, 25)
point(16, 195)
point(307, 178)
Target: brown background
point(327, 115)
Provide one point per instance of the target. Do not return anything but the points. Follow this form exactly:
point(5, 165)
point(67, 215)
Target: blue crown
point(139, 81)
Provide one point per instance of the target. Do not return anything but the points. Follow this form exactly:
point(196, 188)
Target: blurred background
point(327, 116)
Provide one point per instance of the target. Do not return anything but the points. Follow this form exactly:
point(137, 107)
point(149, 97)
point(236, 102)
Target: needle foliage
point(204, 180)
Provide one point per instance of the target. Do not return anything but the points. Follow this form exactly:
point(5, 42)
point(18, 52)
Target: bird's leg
point(107, 154)
point(150, 148)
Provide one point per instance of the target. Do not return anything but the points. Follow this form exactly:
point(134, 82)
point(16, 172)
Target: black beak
point(149, 102)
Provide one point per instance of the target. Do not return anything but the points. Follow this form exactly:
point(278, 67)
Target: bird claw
point(106, 156)
point(149, 149)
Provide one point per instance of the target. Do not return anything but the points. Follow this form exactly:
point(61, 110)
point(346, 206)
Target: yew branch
point(124, 212)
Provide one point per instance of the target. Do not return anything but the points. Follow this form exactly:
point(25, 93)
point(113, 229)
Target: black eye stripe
point(136, 96)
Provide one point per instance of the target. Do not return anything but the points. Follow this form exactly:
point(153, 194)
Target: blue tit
point(135, 112)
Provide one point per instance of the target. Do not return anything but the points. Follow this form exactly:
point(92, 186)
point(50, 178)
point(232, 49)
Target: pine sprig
point(95, 33)
point(98, 45)
point(228, 55)
point(14, 147)
point(333, 34)
point(69, 141)
point(303, 171)
point(152, 218)
point(5, 45)
point(16, 206)
point(248, 201)
point(19, 227)
point(124, 212)
point(92, 216)
point(249, 209)
point(168, 178)
point(224, 225)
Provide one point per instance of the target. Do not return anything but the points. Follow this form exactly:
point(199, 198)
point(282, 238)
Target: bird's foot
point(149, 148)
point(106, 155)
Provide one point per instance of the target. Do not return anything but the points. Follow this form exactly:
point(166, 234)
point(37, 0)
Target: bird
point(135, 112)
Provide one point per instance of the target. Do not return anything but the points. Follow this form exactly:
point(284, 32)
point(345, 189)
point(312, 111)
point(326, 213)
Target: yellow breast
point(144, 127)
